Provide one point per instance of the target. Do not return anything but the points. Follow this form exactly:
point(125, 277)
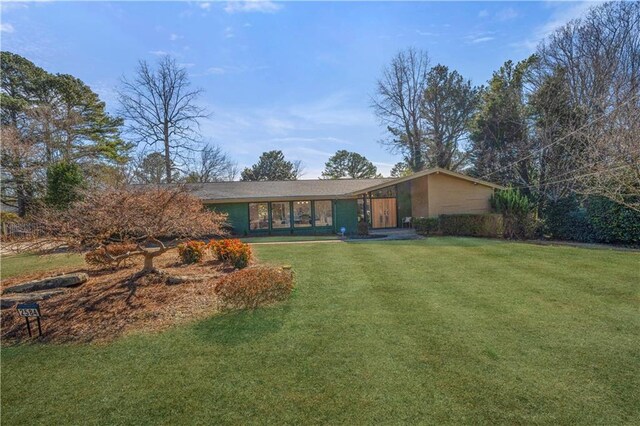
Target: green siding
point(404, 201)
point(346, 214)
point(238, 216)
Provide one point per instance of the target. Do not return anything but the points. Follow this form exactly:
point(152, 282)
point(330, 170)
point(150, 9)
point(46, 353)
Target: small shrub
point(363, 228)
point(232, 251)
point(472, 225)
point(426, 225)
point(103, 257)
point(192, 251)
point(253, 287)
point(518, 212)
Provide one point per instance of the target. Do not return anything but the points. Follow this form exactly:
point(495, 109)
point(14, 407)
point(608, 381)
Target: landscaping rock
point(12, 299)
point(48, 283)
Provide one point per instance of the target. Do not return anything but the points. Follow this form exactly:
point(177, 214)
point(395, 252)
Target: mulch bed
point(110, 304)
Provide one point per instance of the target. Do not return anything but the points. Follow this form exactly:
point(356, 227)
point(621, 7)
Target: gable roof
point(309, 189)
point(435, 170)
point(312, 189)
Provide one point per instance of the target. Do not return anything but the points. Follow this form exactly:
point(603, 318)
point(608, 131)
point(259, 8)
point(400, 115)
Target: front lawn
point(15, 265)
point(443, 330)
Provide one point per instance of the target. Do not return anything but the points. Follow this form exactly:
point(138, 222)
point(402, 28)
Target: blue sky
point(295, 76)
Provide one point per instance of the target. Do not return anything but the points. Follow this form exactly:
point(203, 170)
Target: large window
point(280, 215)
point(324, 213)
point(361, 211)
point(301, 214)
point(258, 216)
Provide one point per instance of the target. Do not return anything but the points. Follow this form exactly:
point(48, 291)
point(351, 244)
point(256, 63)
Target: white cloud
point(204, 5)
point(6, 28)
point(561, 15)
point(483, 13)
point(159, 52)
point(260, 6)
point(7, 6)
point(229, 69)
point(426, 33)
point(216, 70)
point(174, 37)
point(228, 32)
point(481, 39)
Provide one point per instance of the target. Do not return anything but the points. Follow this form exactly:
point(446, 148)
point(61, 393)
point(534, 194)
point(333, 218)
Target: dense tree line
point(561, 123)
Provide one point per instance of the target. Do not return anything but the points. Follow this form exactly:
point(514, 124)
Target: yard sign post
point(30, 310)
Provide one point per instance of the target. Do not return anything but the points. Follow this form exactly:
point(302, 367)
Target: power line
point(575, 177)
point(556, 141)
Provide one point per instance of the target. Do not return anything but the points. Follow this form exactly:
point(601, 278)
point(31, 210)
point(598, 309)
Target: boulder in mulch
point(11, 299)
point(68, 280)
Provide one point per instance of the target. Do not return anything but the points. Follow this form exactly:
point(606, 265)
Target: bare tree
point(599, 59)
point(212, 165)
point(398, 103)
point(153, 218)
point(161, 111)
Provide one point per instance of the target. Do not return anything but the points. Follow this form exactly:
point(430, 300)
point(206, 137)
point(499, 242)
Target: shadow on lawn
point(238, 327)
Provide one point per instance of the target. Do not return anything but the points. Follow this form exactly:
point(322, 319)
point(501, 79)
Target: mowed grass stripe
point(444, 330)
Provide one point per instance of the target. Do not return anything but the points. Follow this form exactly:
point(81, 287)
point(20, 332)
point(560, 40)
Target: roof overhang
point(276, 199)
point(436, 170)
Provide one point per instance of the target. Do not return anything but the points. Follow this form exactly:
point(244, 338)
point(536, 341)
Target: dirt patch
point(109, 304)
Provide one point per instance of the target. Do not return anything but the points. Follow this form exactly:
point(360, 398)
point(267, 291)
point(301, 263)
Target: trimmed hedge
point(472, 225)
point(426, 225)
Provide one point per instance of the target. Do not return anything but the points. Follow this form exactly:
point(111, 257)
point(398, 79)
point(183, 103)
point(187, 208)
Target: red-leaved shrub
point(103, 256)
point(192, 251)
point(253, 287)
point(232, 251)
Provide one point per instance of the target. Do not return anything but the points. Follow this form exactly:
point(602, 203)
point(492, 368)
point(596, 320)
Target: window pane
point(280, 215)
point(258, 216)
point(301, 214)
point(388, 192)
point(324, 213)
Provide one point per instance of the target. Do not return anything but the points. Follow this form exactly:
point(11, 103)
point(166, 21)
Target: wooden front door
point(384, 213)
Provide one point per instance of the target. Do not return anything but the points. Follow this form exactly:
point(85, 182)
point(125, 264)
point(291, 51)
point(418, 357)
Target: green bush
point(472, 225)
point(612, 222)
point(426, 225)
point(565, 219)
point(600, 220)
point(64, 182)
point(363, 228)
point(518, 212)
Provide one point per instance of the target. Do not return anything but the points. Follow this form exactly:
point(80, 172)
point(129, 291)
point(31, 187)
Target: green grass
point(289, 238)
point(444, 330)
point(20, 264)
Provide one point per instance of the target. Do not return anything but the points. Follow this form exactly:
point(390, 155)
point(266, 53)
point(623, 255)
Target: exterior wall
point(420, 197)
point(346, 214)
point(404, 201)
point(450, 195)
point(238, 217)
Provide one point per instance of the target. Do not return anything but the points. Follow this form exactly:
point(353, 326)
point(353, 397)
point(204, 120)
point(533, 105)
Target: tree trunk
point(167, 153)
point(148, 263)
